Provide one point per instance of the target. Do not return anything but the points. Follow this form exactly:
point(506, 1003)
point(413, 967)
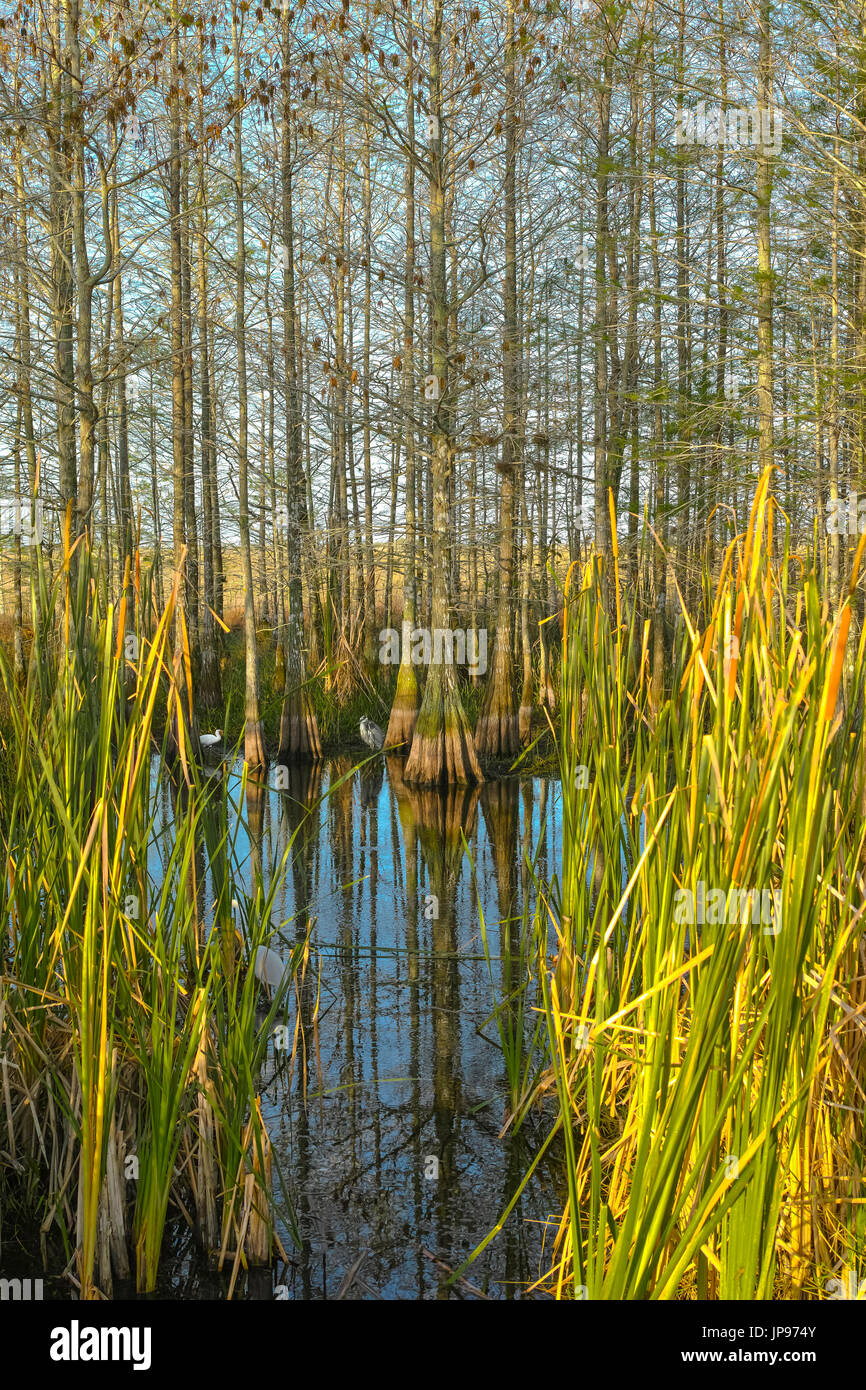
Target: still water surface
point(386, 1129)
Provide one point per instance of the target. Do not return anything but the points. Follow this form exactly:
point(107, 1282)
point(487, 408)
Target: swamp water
point(385, 1124)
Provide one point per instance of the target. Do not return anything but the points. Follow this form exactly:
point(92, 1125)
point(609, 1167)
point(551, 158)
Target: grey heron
point(372, 734)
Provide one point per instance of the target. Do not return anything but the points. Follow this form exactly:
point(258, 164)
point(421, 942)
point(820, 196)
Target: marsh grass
point(706, 1081)
point(130, 1043)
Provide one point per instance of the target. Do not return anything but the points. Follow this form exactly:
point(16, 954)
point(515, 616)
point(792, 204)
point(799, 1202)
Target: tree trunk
point(184, 725)
point(210, 685)
point(443, 749)
point(497, 734)
point(404, 710)
point(299, 730)
point(765, 264)
point(254, 738)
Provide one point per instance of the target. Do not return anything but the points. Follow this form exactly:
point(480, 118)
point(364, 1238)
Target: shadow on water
point(385, 1106)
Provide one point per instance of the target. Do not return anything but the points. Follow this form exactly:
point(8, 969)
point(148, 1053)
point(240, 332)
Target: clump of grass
point(709, 1079)
point(130, 1044)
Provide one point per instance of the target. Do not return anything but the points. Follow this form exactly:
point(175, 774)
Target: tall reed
point(129, 1032)
point(707, 1076)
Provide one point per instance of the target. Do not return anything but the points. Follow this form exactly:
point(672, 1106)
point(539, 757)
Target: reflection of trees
point(410, 839)
point(345, 1142)
point(500, 803)
point(370, 777)
point(341, 818)
point(518, 1156)
point(256, 799)
point(298, 818)
point(442, 818)
point(527, 846)
point(354, 1154)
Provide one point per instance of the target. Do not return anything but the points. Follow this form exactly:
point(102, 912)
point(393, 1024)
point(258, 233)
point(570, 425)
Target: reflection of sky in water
point(397, 1074)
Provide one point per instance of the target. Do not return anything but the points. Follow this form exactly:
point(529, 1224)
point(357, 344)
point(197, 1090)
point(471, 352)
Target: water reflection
point(385, 1119)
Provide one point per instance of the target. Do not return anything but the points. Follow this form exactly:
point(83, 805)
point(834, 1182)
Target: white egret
point(270, 968)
